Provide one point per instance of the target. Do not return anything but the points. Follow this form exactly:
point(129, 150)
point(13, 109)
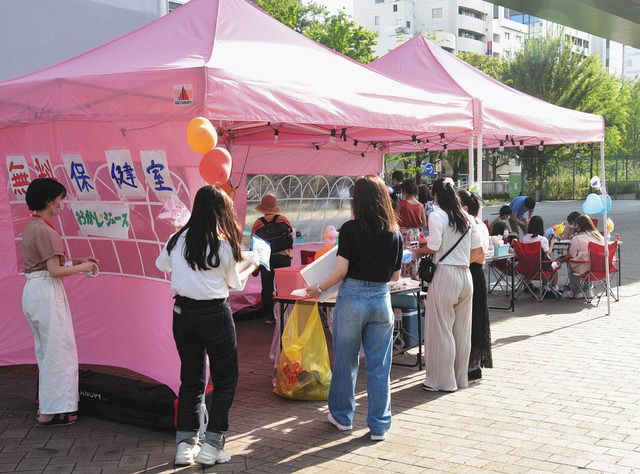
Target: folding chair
point(502, 270)
point(597, 272)
point(529, 269)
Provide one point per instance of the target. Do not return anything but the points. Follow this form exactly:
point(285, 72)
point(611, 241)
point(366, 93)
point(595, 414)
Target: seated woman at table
point(585, 232)
point(570, 227)
point(535, 233)
point(369, 256)
point(499, 229)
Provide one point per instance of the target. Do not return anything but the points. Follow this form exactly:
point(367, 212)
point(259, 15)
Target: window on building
point(496, 38)
point(507, 36)
point(395, 8)
point(376, 20)
point(174, 5)
point(436, 13)
point(471, 13)
point(518, 39)
point(585, 43)
point(496, 12)
point(470, 35)
point(408, 24)
point(379, 1)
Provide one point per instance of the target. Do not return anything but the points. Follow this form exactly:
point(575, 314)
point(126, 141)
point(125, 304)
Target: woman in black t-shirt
point(369, 256)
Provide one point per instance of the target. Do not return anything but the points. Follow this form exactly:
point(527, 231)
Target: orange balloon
point(215, 166)
point(229, 189)
point(201, 135)
point(319, 253)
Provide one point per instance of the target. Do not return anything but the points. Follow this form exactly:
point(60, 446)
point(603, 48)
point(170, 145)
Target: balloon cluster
point(594, 203)
point(215, 165)
point(330, 237)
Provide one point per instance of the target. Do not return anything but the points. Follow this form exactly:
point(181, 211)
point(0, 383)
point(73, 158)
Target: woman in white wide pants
point(449, 298)
point(45, 305)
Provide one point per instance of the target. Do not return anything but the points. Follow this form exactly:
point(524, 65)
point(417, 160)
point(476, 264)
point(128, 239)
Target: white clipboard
point(318, 270)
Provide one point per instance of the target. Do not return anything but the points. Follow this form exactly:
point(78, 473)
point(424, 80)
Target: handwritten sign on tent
point(156, 171)
point(78, 175)
point(19, 176)
point(102, 219)
point(42, 165)
point(123, 174)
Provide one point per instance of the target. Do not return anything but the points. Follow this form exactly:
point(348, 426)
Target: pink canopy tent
point(503, 116)
point(110, 124)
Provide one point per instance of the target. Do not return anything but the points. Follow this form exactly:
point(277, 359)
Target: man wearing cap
point(278, 232)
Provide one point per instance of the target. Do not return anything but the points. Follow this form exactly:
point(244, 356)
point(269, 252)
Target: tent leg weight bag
point(129, 400)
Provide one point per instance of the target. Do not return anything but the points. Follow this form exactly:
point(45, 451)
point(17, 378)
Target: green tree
point(497, 68)
point(338, 32)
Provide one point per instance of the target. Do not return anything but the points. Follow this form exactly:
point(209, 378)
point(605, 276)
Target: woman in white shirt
point(449, 299)
point(535, 233)
point(480, 328)
point(202, 259)
point(586, 232)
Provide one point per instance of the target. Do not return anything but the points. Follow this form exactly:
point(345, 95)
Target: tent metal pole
point(605, 218)
point(470, 179)
point(479, 169)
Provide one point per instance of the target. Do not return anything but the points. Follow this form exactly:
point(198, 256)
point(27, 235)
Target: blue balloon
point(407, 256)
point(429, 170)
point(548, 233)
point(594, 204)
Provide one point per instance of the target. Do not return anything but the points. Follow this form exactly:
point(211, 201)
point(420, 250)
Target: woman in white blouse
point(202, 259)
point(449, 299)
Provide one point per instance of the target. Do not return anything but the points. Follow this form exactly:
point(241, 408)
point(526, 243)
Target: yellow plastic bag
point(302, 370)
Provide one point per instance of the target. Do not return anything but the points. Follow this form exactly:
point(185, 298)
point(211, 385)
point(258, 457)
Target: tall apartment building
point(457, 25)
point(480, 27)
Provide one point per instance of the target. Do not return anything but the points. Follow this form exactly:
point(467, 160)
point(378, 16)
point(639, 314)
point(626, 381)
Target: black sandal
point(59, 419)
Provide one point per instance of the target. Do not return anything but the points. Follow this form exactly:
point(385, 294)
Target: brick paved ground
point(563, 396)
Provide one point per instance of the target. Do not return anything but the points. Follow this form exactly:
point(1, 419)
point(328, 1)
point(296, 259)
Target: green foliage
point(549, 69)
point(495, 67)
point(338, 32)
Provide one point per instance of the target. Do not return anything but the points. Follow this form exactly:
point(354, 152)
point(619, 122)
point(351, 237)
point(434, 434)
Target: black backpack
point(276, 234)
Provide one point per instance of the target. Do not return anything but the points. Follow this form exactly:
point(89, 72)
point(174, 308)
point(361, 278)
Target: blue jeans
point(362, 316)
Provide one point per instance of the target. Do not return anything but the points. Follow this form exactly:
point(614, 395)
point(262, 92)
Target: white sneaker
point(210, 455)
point(380, 437)
point(186, 453)
point(338, 425)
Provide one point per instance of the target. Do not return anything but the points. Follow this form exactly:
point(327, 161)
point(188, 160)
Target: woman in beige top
point(585, 232)
point(45, 305)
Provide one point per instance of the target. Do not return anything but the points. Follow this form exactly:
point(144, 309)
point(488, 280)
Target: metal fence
point(309, 202)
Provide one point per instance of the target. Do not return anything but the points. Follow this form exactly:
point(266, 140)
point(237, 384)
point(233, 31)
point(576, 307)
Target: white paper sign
point(102, 219)
point(316, 272)
point(123, 174)
point(78, 174)
point(19, 176)
point(156, 171)
point(262, 249)
point(42, 165)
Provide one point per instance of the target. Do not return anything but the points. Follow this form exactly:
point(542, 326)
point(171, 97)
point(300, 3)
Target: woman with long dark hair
point(369, 256)
point(202, 259)
point(585, 232)
point(449, 299)
point(480, 328)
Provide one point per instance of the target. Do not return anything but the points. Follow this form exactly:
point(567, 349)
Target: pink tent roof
point(239, 67)
point(500, 110)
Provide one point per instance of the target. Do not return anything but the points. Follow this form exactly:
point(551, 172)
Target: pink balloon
point(215, 166)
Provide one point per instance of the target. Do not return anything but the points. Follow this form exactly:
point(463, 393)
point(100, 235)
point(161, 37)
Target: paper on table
point(301, 292)
point(262, 249)
point(316, 272)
